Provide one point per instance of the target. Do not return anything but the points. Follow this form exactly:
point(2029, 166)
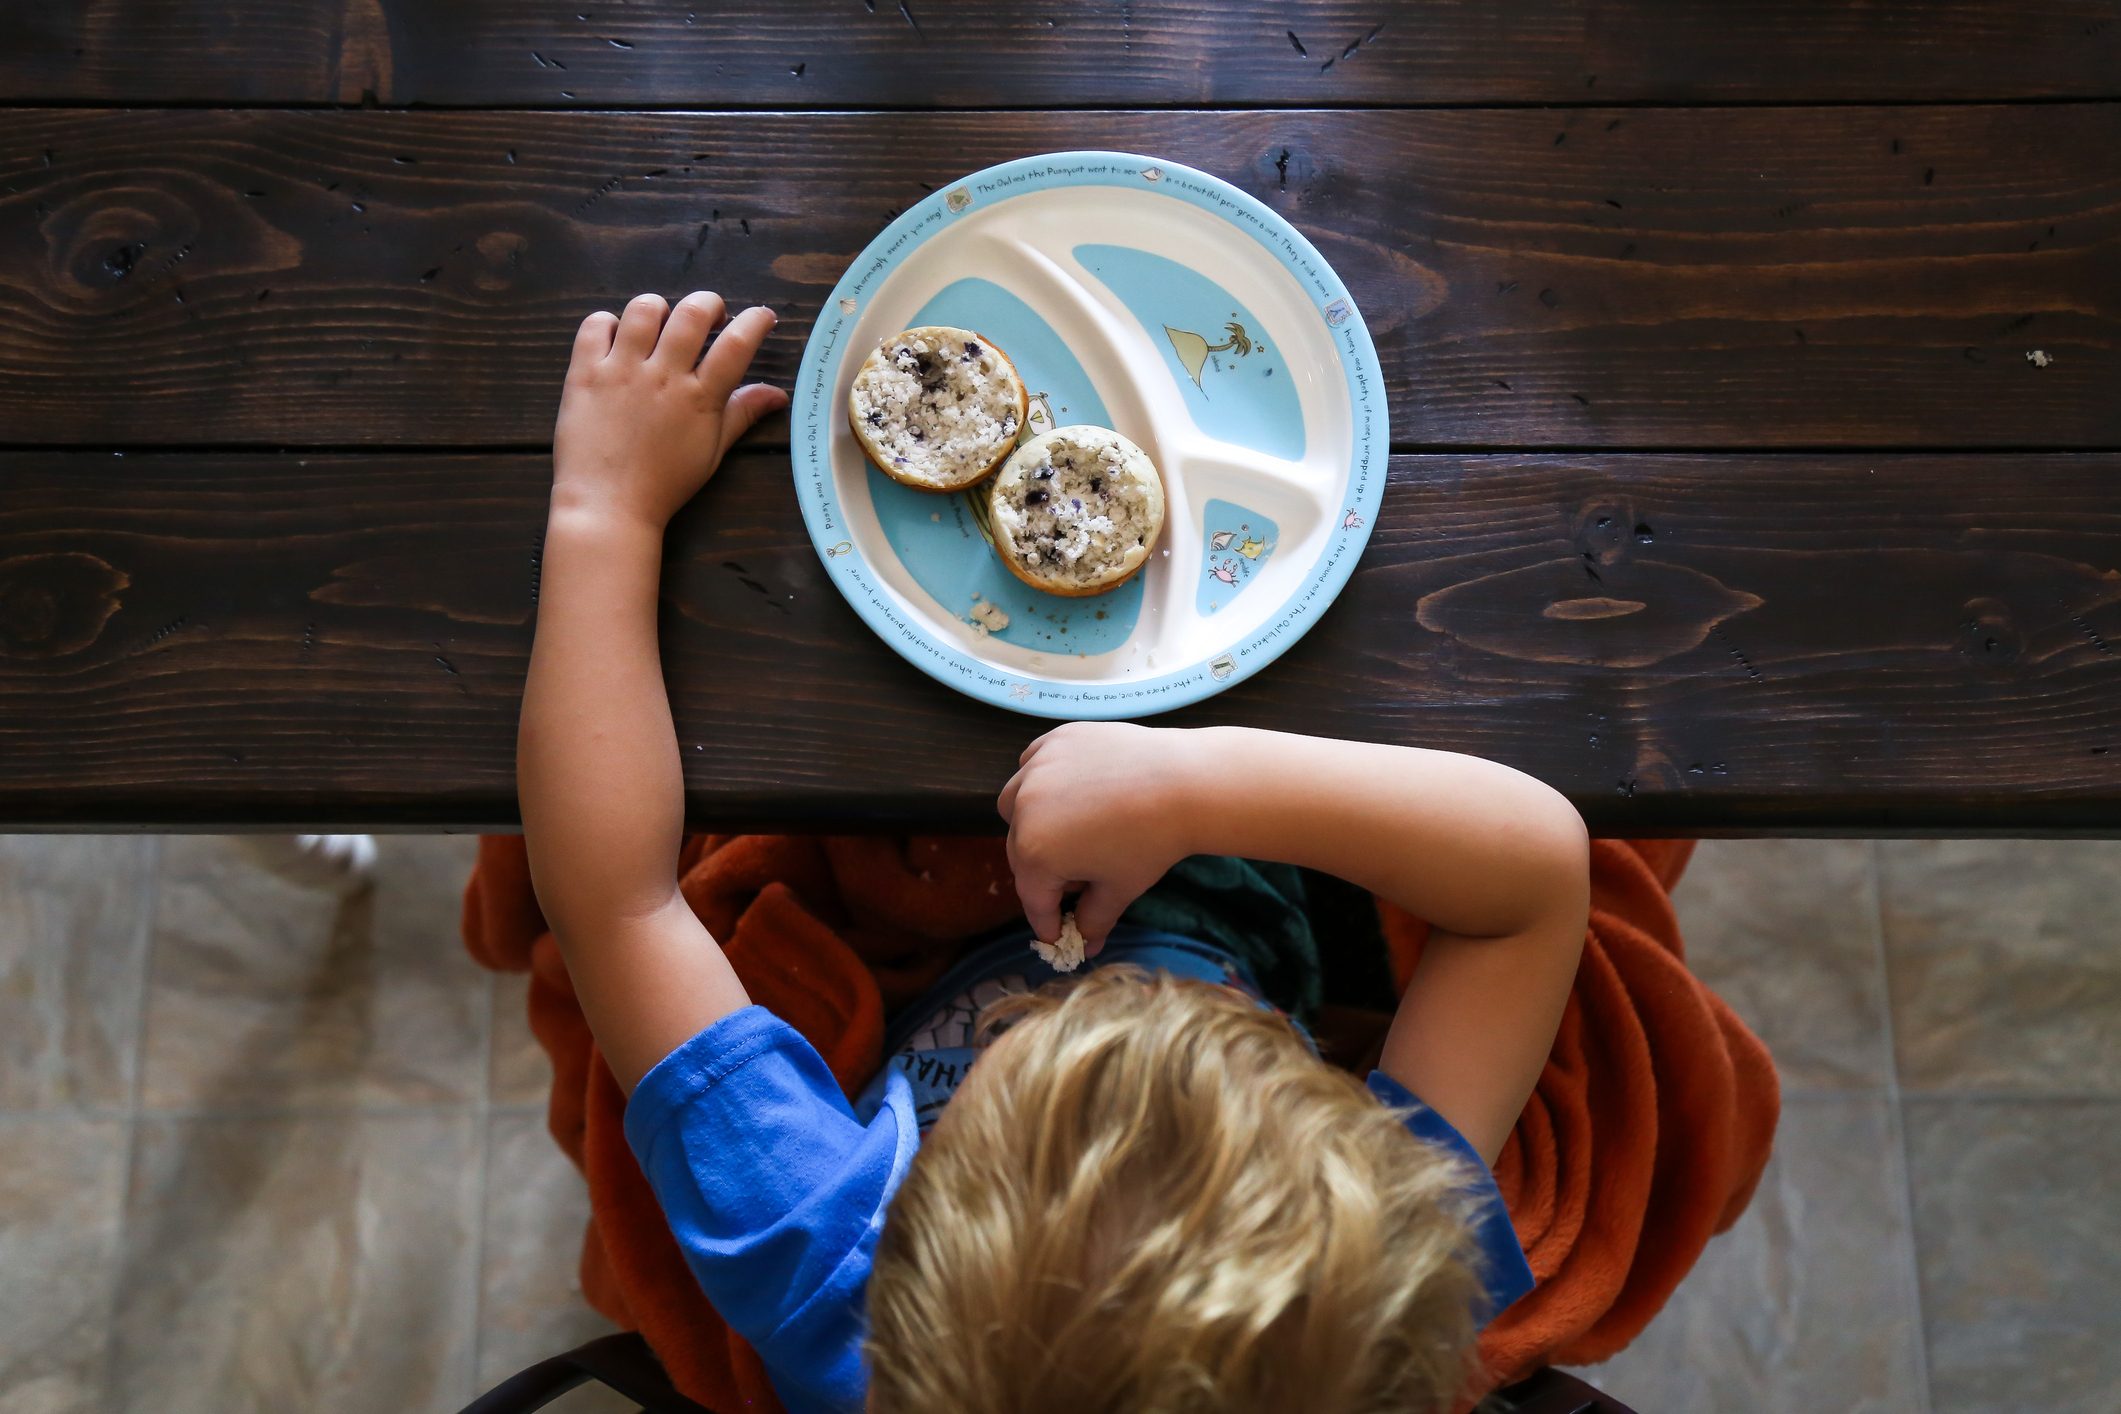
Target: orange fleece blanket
point(1646, 1136)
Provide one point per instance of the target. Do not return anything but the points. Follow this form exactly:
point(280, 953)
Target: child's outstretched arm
point(1496, 861)
point(644, 421)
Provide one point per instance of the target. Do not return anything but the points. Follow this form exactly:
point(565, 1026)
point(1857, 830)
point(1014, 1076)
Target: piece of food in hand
point(1065, 953)
point(937, 408)
point(1076, 510)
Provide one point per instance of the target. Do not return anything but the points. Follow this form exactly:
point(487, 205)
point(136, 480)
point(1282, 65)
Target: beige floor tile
point(2018, 1227)
point(72, 955)
point(313, 1263)
point(269, 993)
point(520, 1073)
point(2003, 966)
point(1807, 1304)
point(591, 1398)
point(1786, 932)
point(531, 1304)
point(62, 1181)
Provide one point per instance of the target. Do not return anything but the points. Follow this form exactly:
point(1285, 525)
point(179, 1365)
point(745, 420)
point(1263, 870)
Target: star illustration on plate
point(1021, 692)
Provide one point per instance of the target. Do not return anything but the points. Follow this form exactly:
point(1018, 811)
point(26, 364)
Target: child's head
point(1148, 1194)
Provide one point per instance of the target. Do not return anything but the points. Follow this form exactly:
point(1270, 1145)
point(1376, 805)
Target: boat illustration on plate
point(1193, 350)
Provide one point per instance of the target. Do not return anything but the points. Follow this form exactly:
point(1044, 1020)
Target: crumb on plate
point(987, 618)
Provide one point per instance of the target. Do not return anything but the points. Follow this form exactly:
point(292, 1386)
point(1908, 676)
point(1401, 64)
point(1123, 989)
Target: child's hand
point(644, 420)
point(1100, 807)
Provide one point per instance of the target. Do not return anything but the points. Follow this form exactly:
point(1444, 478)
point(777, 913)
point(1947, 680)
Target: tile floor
point(264, 1150)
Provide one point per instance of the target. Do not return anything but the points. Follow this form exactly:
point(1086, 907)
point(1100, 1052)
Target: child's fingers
point(733, 349)
point(639, 325)
point(1097, 912)
point(1040, 895)
point(1005, 803)
point(593, 340)
point(745, 407)
point(1032, 750)
point(685, 331)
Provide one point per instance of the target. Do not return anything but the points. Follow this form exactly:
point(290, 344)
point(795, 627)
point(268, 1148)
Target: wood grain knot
point(55, 604)
point(1593, 607)
point(1540, 614)
point(500, 259)
point(126, 244)
point(1990, 631)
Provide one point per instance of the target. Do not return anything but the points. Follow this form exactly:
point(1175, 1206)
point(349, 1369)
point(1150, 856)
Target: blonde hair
point(1149, 1195)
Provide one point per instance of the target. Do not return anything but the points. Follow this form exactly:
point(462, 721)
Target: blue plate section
point(1234, 385)
point(942, 547)
point(1236, 545)
point(818, 413)
point(936, 538)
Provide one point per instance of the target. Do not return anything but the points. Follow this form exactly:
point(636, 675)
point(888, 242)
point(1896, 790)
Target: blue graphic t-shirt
point(776, 1187)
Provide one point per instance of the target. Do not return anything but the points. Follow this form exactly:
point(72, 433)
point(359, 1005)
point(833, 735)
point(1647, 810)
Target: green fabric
point(1258, 912)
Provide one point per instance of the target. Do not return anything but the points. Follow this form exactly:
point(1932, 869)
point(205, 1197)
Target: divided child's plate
point(1135, 294)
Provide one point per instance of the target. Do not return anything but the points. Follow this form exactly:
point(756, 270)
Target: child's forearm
point(603, 796)
point(597, 761)
point(1474, 847)
point(1495, 861)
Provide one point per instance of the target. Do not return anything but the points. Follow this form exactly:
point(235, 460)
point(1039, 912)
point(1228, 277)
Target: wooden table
point(1793, 327)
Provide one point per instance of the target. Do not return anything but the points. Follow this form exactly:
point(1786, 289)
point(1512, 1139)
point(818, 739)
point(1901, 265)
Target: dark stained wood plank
point(981, 53)
point(1683, 643)
point(1814, 277)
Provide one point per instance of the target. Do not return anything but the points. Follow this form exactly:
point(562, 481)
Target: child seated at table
point(1136, 1189)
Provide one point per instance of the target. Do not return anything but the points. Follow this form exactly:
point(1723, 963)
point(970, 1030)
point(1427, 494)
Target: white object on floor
point(345, 863)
